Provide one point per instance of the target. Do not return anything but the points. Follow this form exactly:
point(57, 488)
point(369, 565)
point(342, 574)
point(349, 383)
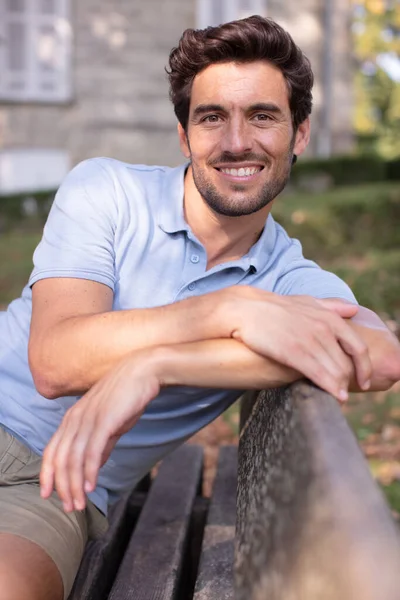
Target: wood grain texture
point(152, 565)
point(312, 523)
point(102, 557)
point(215, 577)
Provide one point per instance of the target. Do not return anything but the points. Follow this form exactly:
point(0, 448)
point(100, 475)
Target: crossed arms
point(238, 338)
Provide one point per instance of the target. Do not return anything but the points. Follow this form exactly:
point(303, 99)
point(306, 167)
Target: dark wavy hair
point(245, 40)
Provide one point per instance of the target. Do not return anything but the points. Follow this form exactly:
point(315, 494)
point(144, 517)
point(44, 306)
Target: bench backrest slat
point(312, 522)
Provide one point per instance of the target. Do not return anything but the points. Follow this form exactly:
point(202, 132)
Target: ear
point(183, 141)
point(302, 137)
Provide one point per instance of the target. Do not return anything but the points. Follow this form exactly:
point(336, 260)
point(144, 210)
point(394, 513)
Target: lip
point(239, 178)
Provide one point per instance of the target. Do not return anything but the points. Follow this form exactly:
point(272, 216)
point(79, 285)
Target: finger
point(76, 467)
point(344, 309)
point(98, 447)
point(46, 476)
point(362, 363)
point(324, 379)
point(314, 362)
point(340, 366)
point(61, 468)
point(330, 370)
point(355, 347)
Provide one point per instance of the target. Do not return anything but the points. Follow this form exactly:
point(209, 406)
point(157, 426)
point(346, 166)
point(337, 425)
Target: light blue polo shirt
point(123, 225)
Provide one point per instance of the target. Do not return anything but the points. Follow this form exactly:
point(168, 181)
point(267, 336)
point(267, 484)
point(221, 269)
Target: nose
point(236, 137)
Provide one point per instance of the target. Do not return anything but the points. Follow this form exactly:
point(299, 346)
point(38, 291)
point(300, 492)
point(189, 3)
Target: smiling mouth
point(241, 172)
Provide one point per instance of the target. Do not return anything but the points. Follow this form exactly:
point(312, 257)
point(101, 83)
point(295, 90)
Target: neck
point(224, 238)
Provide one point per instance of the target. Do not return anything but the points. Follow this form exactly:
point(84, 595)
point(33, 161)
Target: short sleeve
point(304, 277)
point(78, 238)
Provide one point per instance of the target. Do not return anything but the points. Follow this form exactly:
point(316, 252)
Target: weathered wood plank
point(152, 565)
point(215, 578)
point(102, 557)
point(312, 523)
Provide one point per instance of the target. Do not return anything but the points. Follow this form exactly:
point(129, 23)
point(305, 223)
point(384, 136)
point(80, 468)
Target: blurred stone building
point(82, 78)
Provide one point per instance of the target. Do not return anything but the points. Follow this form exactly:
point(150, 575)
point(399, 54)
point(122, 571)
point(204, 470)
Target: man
point(159, 294)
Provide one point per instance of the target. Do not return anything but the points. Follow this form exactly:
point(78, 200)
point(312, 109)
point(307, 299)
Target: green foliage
point(377, 118)
point(392, 493)
point(29, 209)
point(353, 231)
point(16, 250)
point(343, 170)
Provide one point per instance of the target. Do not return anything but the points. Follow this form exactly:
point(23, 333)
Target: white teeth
point(242, 172)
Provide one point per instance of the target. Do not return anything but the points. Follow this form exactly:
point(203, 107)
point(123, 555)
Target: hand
point(91, 428)
point(306, 334)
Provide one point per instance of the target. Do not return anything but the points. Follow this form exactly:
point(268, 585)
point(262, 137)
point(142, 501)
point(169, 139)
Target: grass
point(354, 232)
point(16, 250)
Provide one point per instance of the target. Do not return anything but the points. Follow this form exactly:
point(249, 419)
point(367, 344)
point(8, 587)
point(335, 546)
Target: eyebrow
point(201, 109)
point(265, 107)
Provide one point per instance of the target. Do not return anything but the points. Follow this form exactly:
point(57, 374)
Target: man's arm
point(225, 364)
point(76, 338)
point(92, 426)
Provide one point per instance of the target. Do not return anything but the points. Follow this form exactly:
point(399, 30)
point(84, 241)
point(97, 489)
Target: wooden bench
point(311, 522)
point(153, 546)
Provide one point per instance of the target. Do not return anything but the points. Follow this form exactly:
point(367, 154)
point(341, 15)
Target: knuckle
point(320, 374)
point(59, 461)
point(322, 327)
point(91, 456)
point(74, 458)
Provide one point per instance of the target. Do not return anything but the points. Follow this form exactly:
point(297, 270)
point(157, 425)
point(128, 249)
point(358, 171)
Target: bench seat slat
point(152, 565)
point(102, 557)
point(215, 577)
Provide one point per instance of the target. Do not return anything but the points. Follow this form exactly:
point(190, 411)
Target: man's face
point(240, 137)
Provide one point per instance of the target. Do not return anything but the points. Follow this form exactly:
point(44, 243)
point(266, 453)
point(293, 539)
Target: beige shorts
point(24, 513)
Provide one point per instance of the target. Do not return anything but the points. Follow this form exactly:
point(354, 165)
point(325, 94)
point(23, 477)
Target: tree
point(377, 45)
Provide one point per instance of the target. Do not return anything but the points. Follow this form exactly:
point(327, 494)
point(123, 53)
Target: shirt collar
point(170, 214)
point(171, 220)
point(258, 255)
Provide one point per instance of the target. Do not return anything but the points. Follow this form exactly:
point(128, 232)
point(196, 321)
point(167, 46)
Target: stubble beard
point(245, 204)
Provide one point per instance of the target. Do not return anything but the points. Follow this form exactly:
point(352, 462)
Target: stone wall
point(120, 105)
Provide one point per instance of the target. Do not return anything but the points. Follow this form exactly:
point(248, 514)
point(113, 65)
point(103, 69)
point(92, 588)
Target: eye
point(211, 119)
point(263, 117)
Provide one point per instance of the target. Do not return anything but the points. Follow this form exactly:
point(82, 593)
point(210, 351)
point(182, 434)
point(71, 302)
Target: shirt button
point(191, 286)
point(195, 258)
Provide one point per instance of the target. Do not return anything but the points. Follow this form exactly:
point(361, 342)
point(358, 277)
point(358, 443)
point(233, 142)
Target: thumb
point(343, 308)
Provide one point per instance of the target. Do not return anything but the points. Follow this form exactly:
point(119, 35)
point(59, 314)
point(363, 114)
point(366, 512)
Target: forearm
point(222, 363)
point(226, 363)
point(69, 357)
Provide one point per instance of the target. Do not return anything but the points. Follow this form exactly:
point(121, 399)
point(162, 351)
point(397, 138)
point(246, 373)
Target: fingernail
point(367, 385)
point(343, 395)
point(88, 487)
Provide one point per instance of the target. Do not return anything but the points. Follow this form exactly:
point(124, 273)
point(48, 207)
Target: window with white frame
point(35, 51)
point(215, 12)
